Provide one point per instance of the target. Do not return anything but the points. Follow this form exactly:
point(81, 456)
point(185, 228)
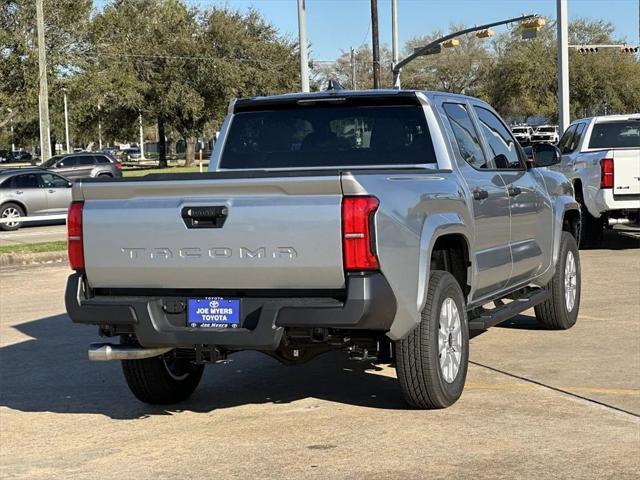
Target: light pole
point(99, 128)
point(13, 145)
point(302, 40)
point(563, 66)
point(394, 36)
point(66, 120)
point(141, 138)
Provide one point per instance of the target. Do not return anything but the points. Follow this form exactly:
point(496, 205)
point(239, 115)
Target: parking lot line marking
point(508, 386)
point(559, 390)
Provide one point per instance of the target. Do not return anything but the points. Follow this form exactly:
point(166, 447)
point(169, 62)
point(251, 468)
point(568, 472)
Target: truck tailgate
point(626, 172)
point(277, 233)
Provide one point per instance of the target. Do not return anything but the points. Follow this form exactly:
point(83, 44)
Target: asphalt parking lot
point(537, 404)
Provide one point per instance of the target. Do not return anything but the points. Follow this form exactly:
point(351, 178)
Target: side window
point(577, 136)
point(68, 162)
point(49, 180)
point(566, 139)
point(86, 160)
point(501, 143)
point(100, 159)
point(29, 180)
point(465, 134)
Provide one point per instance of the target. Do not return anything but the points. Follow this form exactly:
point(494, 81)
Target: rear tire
point(560, 311)
point(431, 362)
point(162, 380)
point(11, 210)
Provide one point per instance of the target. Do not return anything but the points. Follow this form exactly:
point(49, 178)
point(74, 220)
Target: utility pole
point(43, 100)
point(66, 120)
point(375, 44)
point(13, 145)
point(563, 66)
point(394, 39)
point(99, 127)
point(354, 85)
point(141, 138)
point(302, 40)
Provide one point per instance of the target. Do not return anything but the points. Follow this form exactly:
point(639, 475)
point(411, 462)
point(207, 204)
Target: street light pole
point(394, 38)
point(563, 66)
point(99, 128)
point(302, 40)
point(66, 120)
point(13, 145)
point(141, 138)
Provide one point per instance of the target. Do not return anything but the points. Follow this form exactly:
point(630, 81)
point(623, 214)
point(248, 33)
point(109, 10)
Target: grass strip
point(58, 246)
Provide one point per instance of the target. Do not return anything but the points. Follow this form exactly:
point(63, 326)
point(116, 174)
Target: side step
point(505, 312)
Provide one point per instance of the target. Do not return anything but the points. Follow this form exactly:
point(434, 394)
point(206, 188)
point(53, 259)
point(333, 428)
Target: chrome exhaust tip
point(619, 221)
point(103, 352)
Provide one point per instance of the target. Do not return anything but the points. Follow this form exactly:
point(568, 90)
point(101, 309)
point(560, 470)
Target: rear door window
point(328, 136)
point(467, 137)
point(29, 180)
point(502, 146)
point(623, 134)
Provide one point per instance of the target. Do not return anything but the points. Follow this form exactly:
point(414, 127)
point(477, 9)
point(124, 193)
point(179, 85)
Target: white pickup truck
point(601, 157)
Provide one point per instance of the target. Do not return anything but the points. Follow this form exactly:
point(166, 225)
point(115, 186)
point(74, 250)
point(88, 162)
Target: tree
point(66, 23)
point(461, 69)
point(340, 70)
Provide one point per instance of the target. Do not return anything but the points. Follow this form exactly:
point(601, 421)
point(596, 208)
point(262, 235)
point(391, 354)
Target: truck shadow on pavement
point(50, 372)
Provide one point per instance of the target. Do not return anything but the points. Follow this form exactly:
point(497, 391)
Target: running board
point(509, 310)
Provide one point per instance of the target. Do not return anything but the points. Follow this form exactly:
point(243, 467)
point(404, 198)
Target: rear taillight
point(118, 165)
point(357, 233)
point(606, 173)
point(75, 245)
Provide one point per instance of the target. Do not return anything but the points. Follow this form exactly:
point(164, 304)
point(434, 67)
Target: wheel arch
point(16, 202)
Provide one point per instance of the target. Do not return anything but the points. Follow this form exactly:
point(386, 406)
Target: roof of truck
point(609, 118)
point(326, 94)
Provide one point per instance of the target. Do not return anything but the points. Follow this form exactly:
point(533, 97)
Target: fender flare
point(562, 205)
point(434, 227)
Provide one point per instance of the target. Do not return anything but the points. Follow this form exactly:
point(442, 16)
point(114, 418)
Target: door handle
point(19, 192)
point(51, 191)
point(480, 194)
point(514, 191)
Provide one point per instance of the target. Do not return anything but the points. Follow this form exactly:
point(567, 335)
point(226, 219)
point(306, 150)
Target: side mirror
point(545, 155)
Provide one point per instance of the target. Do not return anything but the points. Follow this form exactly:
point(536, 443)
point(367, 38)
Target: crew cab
point(386, 223)
point(601, 157)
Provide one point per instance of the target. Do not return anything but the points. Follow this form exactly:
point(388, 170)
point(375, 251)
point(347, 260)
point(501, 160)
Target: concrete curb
point(40, 258)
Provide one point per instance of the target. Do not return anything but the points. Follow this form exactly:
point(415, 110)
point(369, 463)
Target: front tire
point(432, 361)
point(560, 311)
point(162, 380)
point(13, 212)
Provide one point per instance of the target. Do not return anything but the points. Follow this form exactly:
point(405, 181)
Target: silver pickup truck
point(601, 157)
point(386, 223)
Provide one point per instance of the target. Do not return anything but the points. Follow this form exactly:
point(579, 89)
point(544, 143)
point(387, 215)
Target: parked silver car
point(84, 165)
point(31, 192)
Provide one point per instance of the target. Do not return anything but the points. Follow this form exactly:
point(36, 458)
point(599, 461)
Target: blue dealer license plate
point(213, 313)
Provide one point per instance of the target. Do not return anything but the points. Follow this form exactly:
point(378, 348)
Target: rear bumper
point(160, 321)
point(606, 201)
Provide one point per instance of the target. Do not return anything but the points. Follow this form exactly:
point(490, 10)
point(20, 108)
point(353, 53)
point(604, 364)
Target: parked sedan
point(31, 192)
point(84, 165)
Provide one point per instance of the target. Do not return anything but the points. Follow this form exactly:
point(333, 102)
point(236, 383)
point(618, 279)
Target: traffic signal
point(485, 33)
point(629, 49)
point(535, 23)
point(530, 28)
point(587, 50)
point(454, 42)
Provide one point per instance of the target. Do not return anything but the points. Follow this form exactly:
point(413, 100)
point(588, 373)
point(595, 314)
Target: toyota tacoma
point(384, 223)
